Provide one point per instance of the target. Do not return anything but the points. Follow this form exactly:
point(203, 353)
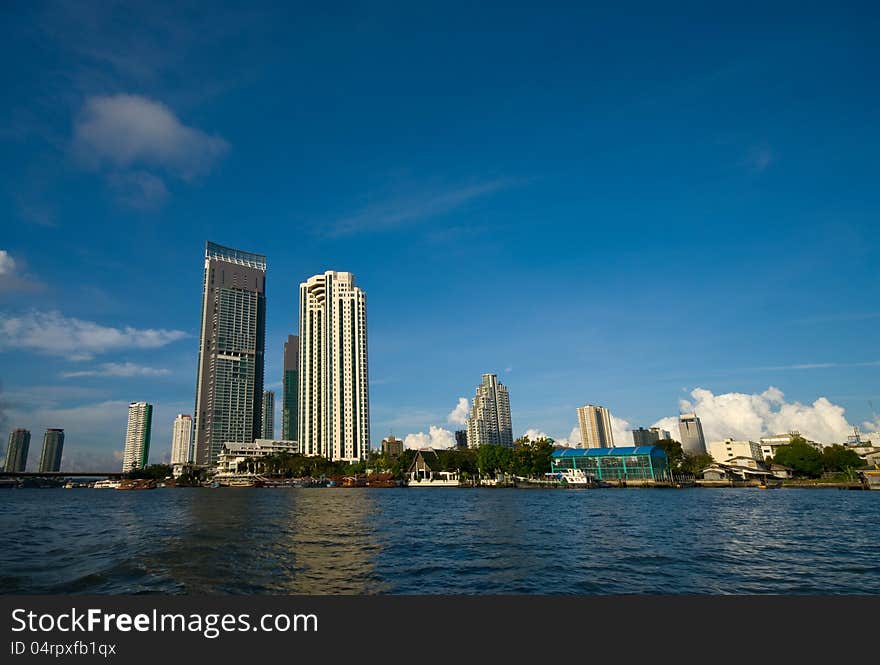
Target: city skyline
point(711, 179)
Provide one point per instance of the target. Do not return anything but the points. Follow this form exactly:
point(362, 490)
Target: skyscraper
point(268, 426)
point(489, 421)
point(17, 450)
point(461, 438)
point(53, 445)
point(691, 429)
point(137, 436)
point(229, 390)
point(334, 401)
point(595, 422)
point(181, 439)
point(289, 430)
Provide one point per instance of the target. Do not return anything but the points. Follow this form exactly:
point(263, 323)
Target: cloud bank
point(118, 370)
point(52, 333)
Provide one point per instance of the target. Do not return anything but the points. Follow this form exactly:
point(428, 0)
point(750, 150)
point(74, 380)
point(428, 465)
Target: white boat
point(106, 484)
point(577, 478)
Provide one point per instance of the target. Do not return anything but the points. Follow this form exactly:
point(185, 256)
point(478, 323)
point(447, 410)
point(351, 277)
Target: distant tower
point(181, 439)
point(229, 389)
point(691, 429)
point(291, 387)
point(268, 429)
point(461, 438)
point(17, 450)
point(53, 445)
point(595, 422)
point(137, 436)
point(334, 389)
point(489, 421)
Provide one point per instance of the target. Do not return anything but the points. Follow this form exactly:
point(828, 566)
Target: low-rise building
point(644, 463)
point(769, 444)
point(233, 454)
point(722, 451)
point(426, 471)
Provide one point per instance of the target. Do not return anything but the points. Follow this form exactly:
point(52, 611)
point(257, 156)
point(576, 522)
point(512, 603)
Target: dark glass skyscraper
point(291, 385)
point(17, 450)
point(53, 446)
point(229, 390)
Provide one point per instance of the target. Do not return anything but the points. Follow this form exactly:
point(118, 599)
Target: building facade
point(648, 437)
point(181, 440)
point(489, 421)
point(461, 438)
point(333, 407)
point(290, 386)
point(245, 458)
point(691, 429)
point(229, 389)
point(595, 424)
point(722, 451)
point(770, 444)
point(137, 436)
point(53, 448)
point(637, 463)
point(392, 447)
point(268, 426)
point(17, 451)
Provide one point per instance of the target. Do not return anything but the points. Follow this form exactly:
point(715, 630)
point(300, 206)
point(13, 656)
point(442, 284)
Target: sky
point(650, 207)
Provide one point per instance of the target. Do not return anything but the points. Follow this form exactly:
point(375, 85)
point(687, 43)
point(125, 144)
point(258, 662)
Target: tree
point(840, 458)
point(674, 453)
point(801, 457)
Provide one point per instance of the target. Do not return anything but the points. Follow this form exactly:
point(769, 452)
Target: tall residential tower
point(290, 383)
point(137, 436)
point(691, 430)
point(53, 446)
point(181, 439)
point(489, 421)
point(334, 401)
point(268, 420)
point(229, 390)
point(17, 450)
point(595, 422)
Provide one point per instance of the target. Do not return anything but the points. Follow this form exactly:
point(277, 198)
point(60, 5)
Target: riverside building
point(181, 440)
point(229, 387)
point(53, 447)
point(722, 451)
point(489, 421)
point(290, 385)
point(17, 450)
point(268, 428)
point(137, 436)
point(333, 408)
point(636, 463)
point(595, 424)
point(691, 430)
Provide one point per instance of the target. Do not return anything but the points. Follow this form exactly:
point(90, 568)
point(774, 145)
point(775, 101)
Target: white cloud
point(437, 437)
point(138, 189)
point(459, 415)
point(126, 369)
point(7, 263)
point(13, 276)
point(54, 334)
point(405, 209)
point(753, 415)
point(123, 131)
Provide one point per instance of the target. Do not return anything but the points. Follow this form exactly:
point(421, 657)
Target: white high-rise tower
point(137, 436)
point(181, 439)
point(595, 423)
point(489, 420)
point(333, 409)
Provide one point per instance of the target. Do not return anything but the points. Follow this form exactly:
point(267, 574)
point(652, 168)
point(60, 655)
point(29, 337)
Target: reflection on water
point(359, 541)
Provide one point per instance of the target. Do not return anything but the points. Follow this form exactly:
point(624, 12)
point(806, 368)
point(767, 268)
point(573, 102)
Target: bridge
point(61, 474)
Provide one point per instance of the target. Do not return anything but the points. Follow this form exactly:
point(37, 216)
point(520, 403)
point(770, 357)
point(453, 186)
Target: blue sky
point(606, 205)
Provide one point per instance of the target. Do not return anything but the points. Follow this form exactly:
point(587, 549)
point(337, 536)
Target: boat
point(139, 484)
point(106, 484)
point(576, 478)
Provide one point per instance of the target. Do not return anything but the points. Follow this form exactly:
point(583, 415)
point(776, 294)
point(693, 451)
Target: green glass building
point(630, 463)
point(291, 387)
